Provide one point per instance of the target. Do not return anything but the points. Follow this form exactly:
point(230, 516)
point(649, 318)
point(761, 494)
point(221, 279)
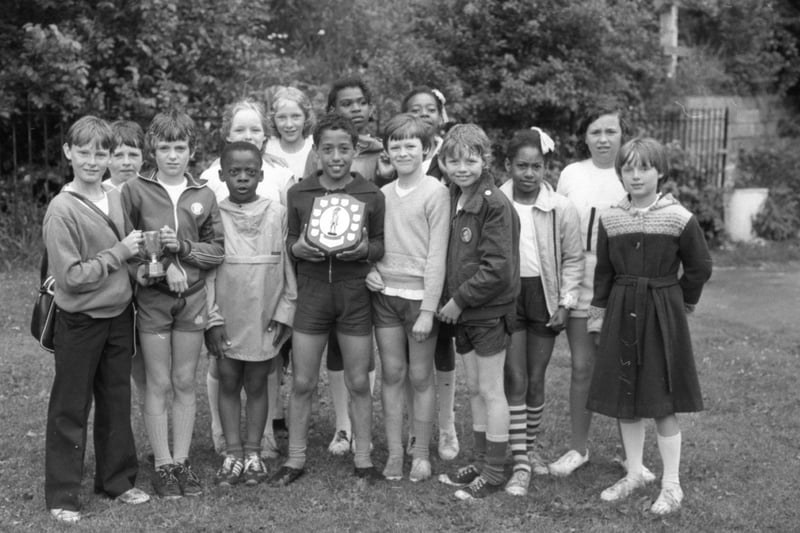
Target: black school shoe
point(478, 489)
point(165, 484)
point(188, 481)
point(285, 476)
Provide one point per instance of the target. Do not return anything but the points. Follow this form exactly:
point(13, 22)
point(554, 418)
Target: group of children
point(409, 239)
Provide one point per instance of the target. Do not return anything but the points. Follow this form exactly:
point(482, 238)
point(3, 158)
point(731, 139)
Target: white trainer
point(668, 501)
point(568, 463)
point(622, 489)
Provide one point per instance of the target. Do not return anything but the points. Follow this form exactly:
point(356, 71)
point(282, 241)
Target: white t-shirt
point(296, 160)
point(174, 191)
point(528, 251)
point(591, 190)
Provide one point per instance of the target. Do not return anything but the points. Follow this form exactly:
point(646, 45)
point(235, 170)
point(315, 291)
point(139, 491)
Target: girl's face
point(604, 137)
point(289, 121)
point(351, 103)
point(405, 155)
point(640, 180)
point(425, 107)
point(246, 126)
point(526, 169)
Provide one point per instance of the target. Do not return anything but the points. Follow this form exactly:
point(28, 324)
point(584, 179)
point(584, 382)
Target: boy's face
point(89, 161)
point(351, 103)
point(464, 169)
point(406, 155)
point(172, 158)
point(335, 151)
point(125, 163)
point(424, 106)
point(241, 172)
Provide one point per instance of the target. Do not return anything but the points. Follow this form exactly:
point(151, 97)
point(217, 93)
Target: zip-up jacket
point(483, 253)
point(300, 201)
point(86, 258)
point(195, 219)
point(558, 241)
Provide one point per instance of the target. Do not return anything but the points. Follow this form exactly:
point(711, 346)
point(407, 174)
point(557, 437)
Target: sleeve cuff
point(595, 322)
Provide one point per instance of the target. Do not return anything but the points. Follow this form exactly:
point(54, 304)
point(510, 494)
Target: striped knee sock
point(516, 437)
point(534, 420)
point(495, 459)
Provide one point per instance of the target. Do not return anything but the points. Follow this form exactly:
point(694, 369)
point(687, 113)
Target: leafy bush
point(774, 167)
point(686, 182)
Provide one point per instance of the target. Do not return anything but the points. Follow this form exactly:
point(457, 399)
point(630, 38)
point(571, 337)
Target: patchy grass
point(738, 460)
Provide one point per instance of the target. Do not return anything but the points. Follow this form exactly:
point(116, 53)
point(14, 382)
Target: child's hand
point(217, 341)
point(275, 161)
point(375, 281)
point(176, 279)
point(450, 312)
point(559, 319)
point(423, 326)
point(143, 280)
point(169, 239)
point(359, 252)
point(303, 250)
point(132, 241)
point(282, 332)
point(385, 168)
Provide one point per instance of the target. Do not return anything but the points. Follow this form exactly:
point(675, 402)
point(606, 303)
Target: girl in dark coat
point(645, 366)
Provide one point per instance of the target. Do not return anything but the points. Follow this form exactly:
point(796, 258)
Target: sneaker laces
point(476, 485)
point(253, 464)
point(191, 477)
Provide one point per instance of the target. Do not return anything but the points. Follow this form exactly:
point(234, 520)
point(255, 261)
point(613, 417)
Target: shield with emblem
point(336, 222)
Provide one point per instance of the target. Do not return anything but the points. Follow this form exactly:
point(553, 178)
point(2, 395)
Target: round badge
point(197, 208)
point(466, 234)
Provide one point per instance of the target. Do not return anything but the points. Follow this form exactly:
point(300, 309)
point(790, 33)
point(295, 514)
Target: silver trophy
point(153, 249)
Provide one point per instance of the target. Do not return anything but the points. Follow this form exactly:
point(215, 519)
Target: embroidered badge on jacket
point(197, 208)
point(466, 234)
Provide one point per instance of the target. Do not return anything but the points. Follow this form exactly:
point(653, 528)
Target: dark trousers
point(93, 359)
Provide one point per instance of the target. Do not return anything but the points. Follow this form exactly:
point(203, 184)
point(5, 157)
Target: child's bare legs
point(582, 350)
point(231, 378)
point(394, 388)
point(138, 378)
point(170, 364)
point(306, 357)
point(357, 354)
point(212, 389)
point(392, 342)
point(489, 409)
point(256, 386)
point(269, 448)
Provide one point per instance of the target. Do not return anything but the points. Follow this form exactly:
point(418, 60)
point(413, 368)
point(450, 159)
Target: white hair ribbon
point(439, 96)
point(546, 143)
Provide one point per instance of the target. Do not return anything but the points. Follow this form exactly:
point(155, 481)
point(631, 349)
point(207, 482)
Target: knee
point(303, 385)
point(516, 384)
point(358, 385)
point(255, 386)
point(183, 384)
point(158, 386)
point(393, 374)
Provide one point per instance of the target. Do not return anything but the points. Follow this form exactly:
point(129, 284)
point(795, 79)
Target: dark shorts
point(394, 311)
point(160, 313)
point(532, 315)
point(321, 306)
point(486, 337)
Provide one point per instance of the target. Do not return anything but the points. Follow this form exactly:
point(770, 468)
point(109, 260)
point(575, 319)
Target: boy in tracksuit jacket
point(172, 311)
point(482, 283)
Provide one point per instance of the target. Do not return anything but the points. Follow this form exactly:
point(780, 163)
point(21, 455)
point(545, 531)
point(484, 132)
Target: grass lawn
point(739, 462)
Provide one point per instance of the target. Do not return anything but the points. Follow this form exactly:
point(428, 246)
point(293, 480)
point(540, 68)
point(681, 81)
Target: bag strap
point(97, 210)
point(43, 267)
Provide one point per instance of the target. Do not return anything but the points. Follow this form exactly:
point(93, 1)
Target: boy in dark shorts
point(172, 309)
point(482, 283)
point(331, 292)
